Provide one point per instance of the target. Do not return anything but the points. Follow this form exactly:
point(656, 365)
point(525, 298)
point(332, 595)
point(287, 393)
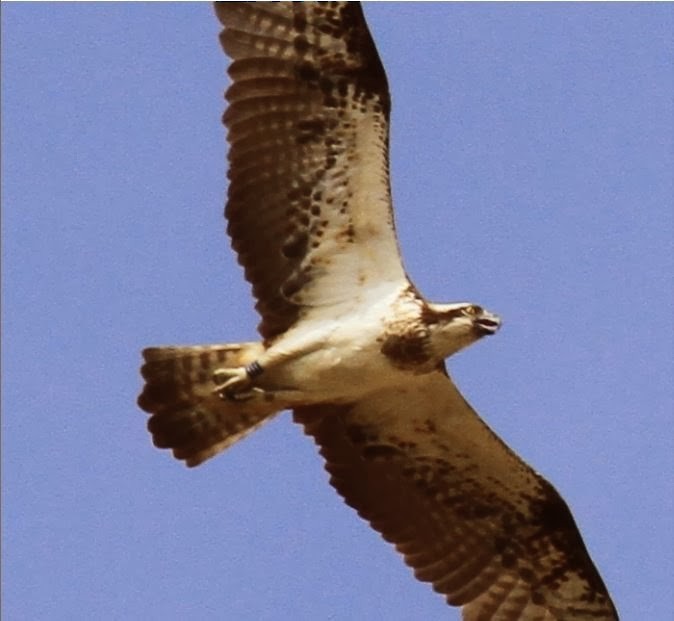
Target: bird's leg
point(236, 383)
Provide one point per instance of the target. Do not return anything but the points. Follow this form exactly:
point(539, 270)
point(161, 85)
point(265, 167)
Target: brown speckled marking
point(307, 87)
point(406, 341)
point(294, 122)
point(408, 349)
point(430, 316)
point(426, 427)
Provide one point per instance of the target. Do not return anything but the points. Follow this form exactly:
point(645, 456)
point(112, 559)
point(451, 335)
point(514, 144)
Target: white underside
point(336, 359)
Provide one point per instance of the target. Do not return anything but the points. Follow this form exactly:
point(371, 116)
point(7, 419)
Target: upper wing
point(468, 515)
point(309, 203)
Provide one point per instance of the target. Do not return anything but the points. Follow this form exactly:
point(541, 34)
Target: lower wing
point(466, 512)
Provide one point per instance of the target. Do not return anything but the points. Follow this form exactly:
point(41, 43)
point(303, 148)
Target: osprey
point(348, 343)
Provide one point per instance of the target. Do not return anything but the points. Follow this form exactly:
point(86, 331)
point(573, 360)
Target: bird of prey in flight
point(348, 342)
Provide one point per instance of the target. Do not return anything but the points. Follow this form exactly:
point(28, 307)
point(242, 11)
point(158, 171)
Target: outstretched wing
point(467, 514)
point(309, 205)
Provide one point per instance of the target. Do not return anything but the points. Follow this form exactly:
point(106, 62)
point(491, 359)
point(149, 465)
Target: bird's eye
point(473, 310)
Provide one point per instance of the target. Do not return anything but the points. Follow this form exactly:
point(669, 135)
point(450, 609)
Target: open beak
point(486, 324)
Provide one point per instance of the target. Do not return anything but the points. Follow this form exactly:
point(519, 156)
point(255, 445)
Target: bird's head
point(455, 326)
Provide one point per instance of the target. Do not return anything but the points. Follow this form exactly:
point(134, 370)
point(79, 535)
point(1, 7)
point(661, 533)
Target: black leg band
point(254, 369)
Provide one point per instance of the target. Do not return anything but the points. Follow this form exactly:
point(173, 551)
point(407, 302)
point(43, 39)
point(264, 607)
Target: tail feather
point(186, 415)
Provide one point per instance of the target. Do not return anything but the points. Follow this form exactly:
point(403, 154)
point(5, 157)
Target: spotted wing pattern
point(467, 514)
point(309, 204)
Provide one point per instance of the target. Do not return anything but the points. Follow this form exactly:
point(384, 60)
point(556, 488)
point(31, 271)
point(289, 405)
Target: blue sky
point(531, 160)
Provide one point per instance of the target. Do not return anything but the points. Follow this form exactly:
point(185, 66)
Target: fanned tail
point(186, 415)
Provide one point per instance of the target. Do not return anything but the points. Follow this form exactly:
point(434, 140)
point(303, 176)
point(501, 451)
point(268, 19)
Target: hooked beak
point(486, 324)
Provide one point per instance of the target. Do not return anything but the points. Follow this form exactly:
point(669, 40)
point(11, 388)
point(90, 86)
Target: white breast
point(339, 358)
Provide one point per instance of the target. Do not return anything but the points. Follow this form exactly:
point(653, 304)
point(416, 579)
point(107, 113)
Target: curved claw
point(244, 395)
point(234, 384)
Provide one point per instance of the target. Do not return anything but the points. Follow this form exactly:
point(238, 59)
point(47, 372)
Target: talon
point(246, 395)
point(236, 384)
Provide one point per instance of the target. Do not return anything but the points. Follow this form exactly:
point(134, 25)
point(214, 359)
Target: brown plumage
point(468, 515)
point(348, 342)
point(308, 89)
point(187, 416)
